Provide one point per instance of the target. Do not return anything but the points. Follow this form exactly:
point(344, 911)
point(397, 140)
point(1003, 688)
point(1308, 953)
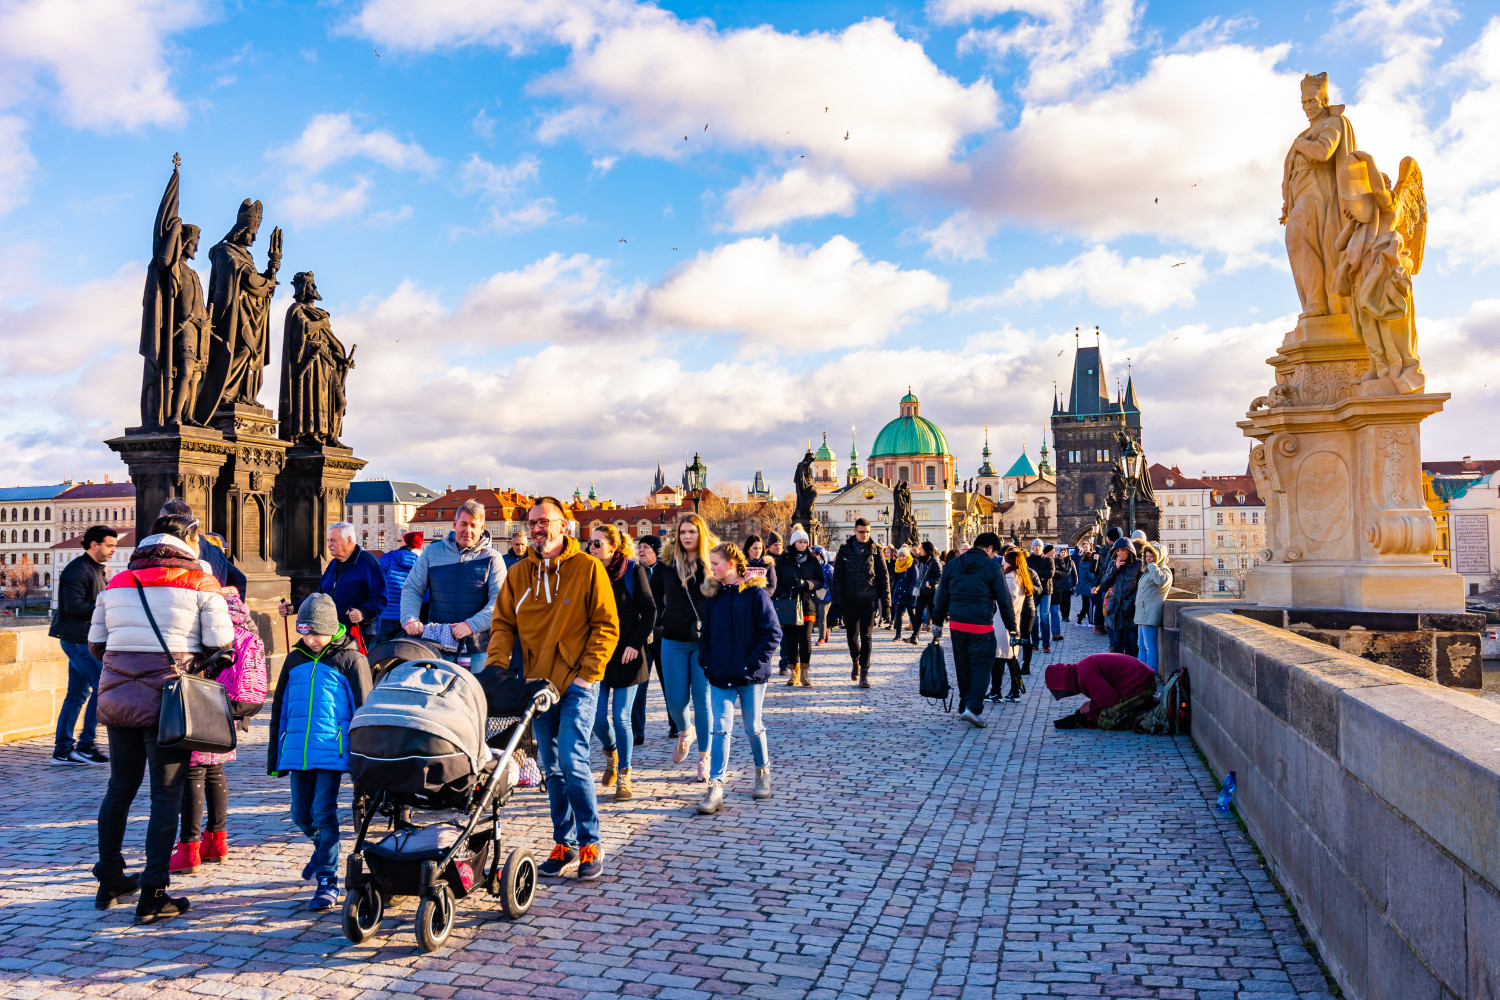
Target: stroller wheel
point(435, 918)
point(362, 912)
point(518, 883)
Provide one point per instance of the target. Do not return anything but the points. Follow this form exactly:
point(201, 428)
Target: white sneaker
point(703, 767)
point(684, 741)
point(971, 719)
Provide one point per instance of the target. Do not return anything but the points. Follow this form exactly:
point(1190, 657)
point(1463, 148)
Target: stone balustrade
point(33, 681)
point(1373, 794)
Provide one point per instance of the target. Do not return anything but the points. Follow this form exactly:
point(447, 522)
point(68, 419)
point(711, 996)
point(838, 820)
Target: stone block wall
point(33, 681)
point(1374, 795)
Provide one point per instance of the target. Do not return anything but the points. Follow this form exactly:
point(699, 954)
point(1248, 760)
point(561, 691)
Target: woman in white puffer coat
point(183, 597)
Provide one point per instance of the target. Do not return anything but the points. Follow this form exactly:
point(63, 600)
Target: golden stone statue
point(1337, 453)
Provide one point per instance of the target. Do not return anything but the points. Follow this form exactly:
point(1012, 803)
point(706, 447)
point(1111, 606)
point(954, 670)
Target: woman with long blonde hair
point(680, 596)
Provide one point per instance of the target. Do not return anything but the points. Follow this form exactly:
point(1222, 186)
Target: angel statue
point(1380, 248)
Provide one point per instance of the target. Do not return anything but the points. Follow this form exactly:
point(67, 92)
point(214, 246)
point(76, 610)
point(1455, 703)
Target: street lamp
point(1132, 459)
point(890, 525)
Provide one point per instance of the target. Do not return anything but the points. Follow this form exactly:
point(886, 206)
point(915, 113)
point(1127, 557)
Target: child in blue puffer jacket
point(324, 679)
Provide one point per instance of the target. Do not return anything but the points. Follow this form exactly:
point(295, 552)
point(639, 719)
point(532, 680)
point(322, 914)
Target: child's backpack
point(932, 674)
point(1173, 715)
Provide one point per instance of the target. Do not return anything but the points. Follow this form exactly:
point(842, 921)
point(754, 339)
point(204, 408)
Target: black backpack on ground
point(932, 673)
point(1173, 716)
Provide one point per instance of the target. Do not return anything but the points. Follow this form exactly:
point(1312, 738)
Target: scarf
point(616, 566)
point(902, 565)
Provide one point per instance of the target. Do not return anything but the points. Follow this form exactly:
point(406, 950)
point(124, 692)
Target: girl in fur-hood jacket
point(737, 643)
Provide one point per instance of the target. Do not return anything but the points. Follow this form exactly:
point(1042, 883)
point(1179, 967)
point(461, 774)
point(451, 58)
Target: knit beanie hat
point(414, 539)
point(773, 539)
point(650, 541)
point(318, 616)
point(798, 535)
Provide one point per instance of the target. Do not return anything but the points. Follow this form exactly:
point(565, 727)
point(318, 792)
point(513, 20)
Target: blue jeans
point(1057, 615)
point(616, 704)
point(721, 702)
point(83, 693)
point(1043, 620)
point(684, 677)
point(315, 810)
point(562, 743)
point(1147, 636)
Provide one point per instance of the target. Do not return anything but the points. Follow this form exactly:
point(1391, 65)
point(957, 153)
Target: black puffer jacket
point(800, 574)
point(1045, 567)
point(860, 575)
point(972, 588)
point(681, 607)
point(637, 619)
point(1066, 577)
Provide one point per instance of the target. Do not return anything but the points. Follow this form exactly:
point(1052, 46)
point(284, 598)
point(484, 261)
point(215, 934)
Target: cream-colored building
point(381, 510)
point(79, 507)
point(1234, 533)
point(875, 502)
point(1184, 503)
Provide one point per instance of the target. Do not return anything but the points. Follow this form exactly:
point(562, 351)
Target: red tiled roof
point(499, 505)
point(97, 491)
point(1484, 465)
point(1228, 488)
point(1160, 474)
point(126, 540)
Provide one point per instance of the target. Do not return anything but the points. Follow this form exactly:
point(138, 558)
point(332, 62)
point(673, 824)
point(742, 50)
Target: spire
point(1088, 392)
point(593, 494)
point(986, 471)
point(661, 480)
point(853, 475)
point(1045, 468)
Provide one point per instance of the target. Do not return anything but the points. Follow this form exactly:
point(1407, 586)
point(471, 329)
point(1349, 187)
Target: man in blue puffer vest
point(396, 566)
point(462, 574)
point(324, 679)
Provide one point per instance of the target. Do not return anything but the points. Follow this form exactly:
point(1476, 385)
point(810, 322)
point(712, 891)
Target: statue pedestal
point(309, 494)
point(242, 503)
point(1341, 476)
point(172, 462)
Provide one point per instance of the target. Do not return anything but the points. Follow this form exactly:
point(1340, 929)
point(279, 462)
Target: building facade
point(28, 530)
point(382, 510)
point(874, 501)
point(504, 513)
point(1184, 502)
point(1235, 534)
point(79, 507)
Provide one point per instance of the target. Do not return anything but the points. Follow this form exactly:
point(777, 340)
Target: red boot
point(215, 846)
point(186, 858)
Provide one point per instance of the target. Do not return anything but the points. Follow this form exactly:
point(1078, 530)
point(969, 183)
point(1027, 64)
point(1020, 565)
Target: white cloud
point(1065, 42)
point(16, 162)
point(961, 236)
point(329, 140)
point(107, 61)
point(603, 164)
point(333, 138)
point(765, 202)
point(505, 188)
point(1190, 152)
point(640, 79)
point(1108, 279)
point(796, 298)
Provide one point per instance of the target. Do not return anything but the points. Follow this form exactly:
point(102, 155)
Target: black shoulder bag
point(195, 711)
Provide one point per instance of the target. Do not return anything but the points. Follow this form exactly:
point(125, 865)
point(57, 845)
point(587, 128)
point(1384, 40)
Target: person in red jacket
point(1107, 679)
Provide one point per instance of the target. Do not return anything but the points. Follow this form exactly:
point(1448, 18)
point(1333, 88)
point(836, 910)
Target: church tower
point(1086, 434)
point(825, 468)
point(987, 484)
point(853, 475)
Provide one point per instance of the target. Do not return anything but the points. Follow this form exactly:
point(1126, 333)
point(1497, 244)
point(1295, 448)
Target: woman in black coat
point(627, 668)
point(1121, 582)
point(798, 574)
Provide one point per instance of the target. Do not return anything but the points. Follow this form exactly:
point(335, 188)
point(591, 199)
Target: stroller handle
point(544, 698)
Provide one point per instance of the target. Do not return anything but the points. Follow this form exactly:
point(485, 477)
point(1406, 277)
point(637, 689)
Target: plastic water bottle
point(1226, 794)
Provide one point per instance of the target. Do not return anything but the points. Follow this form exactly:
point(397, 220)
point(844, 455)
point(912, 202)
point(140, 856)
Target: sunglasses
point(595, 543)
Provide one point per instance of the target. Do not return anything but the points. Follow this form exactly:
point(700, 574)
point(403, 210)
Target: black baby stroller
point(418, 742)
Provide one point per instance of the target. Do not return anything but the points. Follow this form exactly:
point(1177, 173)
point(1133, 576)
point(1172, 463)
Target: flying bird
point(674, 248)
point(623, 240)
point(684, 138)
point(1059, 353)
point(1179, 263)
point(825, 109)
point(1156, 200)
point(846, 136)
point(376, 51)
point(705, 128)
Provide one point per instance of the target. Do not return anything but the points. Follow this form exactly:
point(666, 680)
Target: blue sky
point(1013, 169)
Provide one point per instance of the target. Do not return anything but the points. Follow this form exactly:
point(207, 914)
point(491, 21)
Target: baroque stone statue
point(1313, 179)
point(904, 523)
point(314, 368)
point(239, 304)
point(174, 322)
point(1381, 248)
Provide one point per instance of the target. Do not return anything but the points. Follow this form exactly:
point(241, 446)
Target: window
point(25, 537)
point(931, 475)
point(1223, 586)
point(1218, 517)
point(380, 516)
point(903, 474)
point(382, 539)
point(47, 577)
point(24, 513)
point(47, 512)
point(49, 535)
point(1255, 517)
point(1220, 562)
point(987, 490)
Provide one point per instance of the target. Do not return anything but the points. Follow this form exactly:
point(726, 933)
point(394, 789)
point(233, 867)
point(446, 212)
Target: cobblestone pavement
point(904, 855)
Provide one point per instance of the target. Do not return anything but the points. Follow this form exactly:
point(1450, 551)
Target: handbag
point(195, 711)
point(788, 609)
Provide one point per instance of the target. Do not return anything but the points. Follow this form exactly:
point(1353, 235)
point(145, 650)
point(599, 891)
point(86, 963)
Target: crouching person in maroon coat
point(1109, 680)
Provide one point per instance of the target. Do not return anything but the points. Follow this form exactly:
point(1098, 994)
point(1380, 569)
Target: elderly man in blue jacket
point(354, 581)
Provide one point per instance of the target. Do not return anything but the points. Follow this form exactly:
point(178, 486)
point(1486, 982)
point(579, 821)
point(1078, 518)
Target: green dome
point(909, 398)
point(825, 453)
point(912, 435)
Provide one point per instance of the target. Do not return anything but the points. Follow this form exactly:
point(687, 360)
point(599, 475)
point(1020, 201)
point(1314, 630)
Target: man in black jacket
point(1045, 569)
point(971, 591)
point(77, 586)
point(862, 583)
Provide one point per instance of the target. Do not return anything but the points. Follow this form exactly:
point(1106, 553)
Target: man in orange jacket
point(559, 604)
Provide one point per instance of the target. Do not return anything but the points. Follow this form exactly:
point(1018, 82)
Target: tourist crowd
point(714, 620)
